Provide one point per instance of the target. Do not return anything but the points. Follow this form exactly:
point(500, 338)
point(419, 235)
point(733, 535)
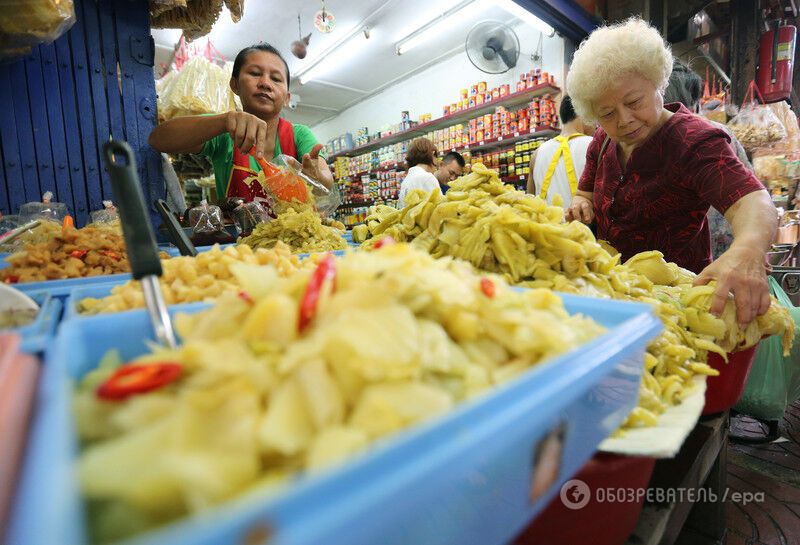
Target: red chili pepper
point(136, 379)
point(385, 241)
point(487, 287)
point(244, 296)
point(11, 279)
point(325, 271)
point(78, 254)
point(110, 253)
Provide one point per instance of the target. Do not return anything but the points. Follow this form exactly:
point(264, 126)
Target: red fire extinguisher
point(776, 62)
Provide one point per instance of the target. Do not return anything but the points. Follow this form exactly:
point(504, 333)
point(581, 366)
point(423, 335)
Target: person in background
point(652, 172)
point(451, 167)
point(261, 80)
point(686, 87)
point(557, 165)
point(421, 160)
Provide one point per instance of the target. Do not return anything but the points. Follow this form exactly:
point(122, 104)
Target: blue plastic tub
point(103, 290)
point(37, 335)
point(462, 478)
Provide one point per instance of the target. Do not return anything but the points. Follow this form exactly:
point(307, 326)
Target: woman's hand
point(315, 167)
point(740, 270)
point(247, 131)
point(581, 209)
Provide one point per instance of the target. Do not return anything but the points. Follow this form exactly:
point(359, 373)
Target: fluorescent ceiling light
point(526, 16)
point(436, 26)
point(337, 58)
point(337, 55)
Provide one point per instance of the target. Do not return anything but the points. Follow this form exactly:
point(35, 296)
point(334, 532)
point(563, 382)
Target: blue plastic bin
point(103, 290)
point(37, 335)
point(461, 478)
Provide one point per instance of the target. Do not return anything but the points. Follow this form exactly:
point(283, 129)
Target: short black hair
point(566, 112)
point(266, 48)
point(454, 156)
point(685, 86)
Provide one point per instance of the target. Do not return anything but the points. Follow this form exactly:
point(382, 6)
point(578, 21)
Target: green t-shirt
point(219, 150)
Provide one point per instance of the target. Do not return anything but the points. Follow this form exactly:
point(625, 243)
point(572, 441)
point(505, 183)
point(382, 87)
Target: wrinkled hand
point(311, 167)
point(581, 209)
point(247, 131)
point(742, 272)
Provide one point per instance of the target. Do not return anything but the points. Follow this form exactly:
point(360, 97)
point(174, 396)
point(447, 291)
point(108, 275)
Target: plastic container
point(725, 390)
point(462, 478)
point(607, 522)
point(104, 290)
point(37, 335)
point(60, 289)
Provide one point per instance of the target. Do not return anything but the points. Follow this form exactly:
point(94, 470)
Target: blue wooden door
point(62, 102)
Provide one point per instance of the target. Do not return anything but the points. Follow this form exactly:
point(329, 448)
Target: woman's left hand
point(312, 167)
point(740, 270)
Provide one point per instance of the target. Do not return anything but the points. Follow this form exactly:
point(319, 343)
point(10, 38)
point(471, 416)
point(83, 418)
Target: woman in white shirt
point(421, 159)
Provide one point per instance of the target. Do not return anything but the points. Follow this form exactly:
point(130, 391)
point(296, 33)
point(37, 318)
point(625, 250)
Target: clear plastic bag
point(207, 225)
point(45, 210)
point(28, 23)
point(285, 187)
point(756, 125)
point(774, 380)
point(200, 87)
point(249, 214)
point(7, 223)
point(107, 215)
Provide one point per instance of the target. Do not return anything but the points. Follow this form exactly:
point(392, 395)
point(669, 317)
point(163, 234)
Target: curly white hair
point(609, 55)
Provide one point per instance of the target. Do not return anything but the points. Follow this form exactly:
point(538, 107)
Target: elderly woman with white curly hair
point(652, 171)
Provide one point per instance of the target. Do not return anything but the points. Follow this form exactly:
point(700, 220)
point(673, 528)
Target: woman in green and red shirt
point(261, 80)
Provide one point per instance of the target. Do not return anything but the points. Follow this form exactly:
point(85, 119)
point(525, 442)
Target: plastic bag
point(45, 210)
point(713, 102)
point(756, 124)
point(207, 225)
point(774, 380)
point(196, 18)
point(326, 200)
point(107, 215)
point(200, 87)
point(249, 214)
point(28, 23)
point(7, 223)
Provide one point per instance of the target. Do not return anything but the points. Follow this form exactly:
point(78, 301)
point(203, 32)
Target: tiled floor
point(770, 473)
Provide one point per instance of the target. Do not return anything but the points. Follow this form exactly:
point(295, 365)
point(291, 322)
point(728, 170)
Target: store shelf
point(356, 204)
point(514, 99)
point(507, 140)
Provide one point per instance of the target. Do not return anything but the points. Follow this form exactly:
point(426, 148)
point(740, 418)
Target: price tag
point(480, 143)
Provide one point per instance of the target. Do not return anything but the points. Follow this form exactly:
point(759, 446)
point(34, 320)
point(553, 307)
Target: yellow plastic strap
point(563, 149)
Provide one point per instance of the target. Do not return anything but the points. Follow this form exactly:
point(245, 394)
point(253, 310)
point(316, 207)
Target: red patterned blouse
point(661, 201)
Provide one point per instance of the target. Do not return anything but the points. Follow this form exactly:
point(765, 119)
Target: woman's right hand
point(581, 209)
point(247, 131)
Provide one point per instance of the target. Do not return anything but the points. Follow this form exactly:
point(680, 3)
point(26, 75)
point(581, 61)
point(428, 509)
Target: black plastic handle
point(139, 237)
point(176, 232)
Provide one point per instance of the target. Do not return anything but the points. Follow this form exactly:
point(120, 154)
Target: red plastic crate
point(597, 522)
point(724, 391)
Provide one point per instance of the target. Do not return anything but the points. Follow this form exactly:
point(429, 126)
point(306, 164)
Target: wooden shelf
point(514, 99)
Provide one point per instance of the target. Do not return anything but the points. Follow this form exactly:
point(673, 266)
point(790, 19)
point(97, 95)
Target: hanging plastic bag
point(207, 225)
point(756, 125)
point(45, 210)
point(713, 101)
point(28, 23)
point(774, 380)
point(200, 87)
